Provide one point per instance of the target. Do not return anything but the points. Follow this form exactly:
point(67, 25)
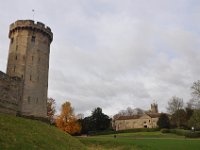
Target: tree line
point(179, 115)
point(77, 124)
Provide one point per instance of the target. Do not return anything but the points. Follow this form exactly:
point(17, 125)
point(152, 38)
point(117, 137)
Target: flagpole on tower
point(33, 14)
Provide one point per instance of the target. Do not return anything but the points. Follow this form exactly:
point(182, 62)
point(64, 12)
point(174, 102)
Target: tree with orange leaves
point(67, 121)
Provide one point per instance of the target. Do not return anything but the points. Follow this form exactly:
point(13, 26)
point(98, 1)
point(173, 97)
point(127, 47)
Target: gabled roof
point(152, 115)
point(128, 117)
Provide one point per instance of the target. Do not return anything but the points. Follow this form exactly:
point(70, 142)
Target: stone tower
point(29, 59)
point(154, 108)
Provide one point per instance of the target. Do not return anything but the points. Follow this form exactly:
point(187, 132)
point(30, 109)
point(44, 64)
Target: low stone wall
point(10, 91)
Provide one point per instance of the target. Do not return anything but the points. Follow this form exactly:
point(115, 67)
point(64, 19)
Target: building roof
point(152, 115)
point(129, 117)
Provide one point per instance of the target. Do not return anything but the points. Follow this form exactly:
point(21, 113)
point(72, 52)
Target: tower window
point(16, 57)
point(16, 47)
point(33, 39)
point(22, 76)
point(30, 77)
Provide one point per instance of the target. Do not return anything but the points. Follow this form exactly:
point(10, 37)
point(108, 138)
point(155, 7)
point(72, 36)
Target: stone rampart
point(10, 91)
point(31, 25)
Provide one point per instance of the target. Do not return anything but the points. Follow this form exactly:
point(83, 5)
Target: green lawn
point(156, 134)
point(24, 134)
point(141, 141)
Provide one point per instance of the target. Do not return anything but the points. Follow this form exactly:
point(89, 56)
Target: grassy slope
point(142, 141)
point(19, 133)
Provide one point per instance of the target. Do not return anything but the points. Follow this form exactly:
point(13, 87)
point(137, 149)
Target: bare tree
point(51, 107)
point(195, 101)
point(196, 89)
point(139, 111)
point(129, 112)
point(80, 116)
point(174, 104)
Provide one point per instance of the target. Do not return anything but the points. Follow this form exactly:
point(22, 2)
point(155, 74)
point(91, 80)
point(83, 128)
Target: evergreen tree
point(98, 121)
point(163, 121)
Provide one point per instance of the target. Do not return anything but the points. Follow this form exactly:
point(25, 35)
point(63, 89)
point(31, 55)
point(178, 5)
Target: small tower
point(154, 108)
point(29, 59)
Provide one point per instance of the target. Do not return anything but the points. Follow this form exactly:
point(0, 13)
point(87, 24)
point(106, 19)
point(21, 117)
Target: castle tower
point(29, 59)
point(154, 108)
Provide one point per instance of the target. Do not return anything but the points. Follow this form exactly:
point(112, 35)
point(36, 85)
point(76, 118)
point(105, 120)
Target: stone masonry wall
point(29, 60)
point(142, 122)
point(10, 91)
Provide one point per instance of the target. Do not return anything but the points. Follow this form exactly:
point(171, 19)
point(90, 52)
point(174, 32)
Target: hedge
point(181, 132)
point(122, 131)
point(192, 135)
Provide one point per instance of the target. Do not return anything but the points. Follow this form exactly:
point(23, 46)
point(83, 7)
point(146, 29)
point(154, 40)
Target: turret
point(154, 108)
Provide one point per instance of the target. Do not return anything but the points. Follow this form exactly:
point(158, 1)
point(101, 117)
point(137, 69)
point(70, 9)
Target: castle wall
point(10, 91)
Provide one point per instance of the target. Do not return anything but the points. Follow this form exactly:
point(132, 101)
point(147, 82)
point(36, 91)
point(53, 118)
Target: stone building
point(148, 120)
point(27, 69)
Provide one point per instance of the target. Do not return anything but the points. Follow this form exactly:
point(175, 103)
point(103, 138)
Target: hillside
point(19, 133)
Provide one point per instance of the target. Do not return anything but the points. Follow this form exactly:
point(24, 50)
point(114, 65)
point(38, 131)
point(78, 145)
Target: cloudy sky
point(114, 54)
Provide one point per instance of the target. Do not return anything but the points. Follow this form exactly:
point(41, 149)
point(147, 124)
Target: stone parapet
point(31, 25)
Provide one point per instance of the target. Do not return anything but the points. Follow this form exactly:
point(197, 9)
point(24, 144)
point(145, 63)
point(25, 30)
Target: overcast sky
point(114, 54)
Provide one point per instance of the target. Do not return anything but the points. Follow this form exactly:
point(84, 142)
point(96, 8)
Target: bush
point(139, 130)
point(192, 135)
point(106, 132)
point(180, 132)
point(165, 130)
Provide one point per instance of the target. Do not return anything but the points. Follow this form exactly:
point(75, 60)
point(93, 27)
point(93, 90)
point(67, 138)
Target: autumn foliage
point(67, 121)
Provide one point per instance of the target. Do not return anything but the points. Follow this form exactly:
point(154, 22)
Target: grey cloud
point(114, 54)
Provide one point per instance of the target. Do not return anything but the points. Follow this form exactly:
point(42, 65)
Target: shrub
point(106, 132)
point(180, 132)
point(165, 130)
point(192, 135)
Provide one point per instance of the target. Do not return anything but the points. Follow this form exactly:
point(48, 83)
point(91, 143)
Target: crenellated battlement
point(31, 25)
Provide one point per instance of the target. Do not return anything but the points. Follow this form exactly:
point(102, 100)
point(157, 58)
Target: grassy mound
point(19, 133)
